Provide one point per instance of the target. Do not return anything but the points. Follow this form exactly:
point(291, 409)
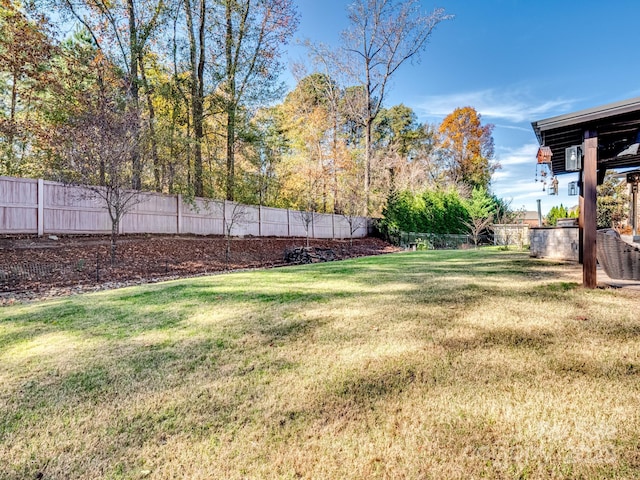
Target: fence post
point(288, 224)
point(224, 217)
point(259, 220)
point(40, 207)
point(179, 208)
point(333, 226)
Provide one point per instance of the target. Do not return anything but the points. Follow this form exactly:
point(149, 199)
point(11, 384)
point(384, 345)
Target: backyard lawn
point(455, 364)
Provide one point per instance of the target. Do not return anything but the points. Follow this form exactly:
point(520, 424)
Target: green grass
point(466, 364)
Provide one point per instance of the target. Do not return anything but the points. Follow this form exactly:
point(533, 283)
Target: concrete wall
point(554, 242)
point(510, 234)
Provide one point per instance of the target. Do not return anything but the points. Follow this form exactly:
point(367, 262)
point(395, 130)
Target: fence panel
point(202, 217)
point(153, 213)
point(242, 220)
point(322, 226)
point(275, 222)
point(18, 205)
point(345, 226)
point(44, 207)
point(73, 210)
point(299, 223)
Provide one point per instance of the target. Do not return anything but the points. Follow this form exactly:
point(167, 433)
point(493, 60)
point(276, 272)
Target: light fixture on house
point(633, 178)
point(573, 158)
point(573, 188)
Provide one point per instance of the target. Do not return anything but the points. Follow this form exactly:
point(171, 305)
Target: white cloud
point(514, 105)
point(525, 154)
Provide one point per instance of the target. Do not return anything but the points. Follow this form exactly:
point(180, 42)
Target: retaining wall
point(554, 242)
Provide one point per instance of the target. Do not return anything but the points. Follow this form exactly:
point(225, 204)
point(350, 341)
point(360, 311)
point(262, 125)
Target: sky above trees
point(514, 61)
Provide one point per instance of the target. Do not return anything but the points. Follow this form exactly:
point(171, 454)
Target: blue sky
point(515, 61)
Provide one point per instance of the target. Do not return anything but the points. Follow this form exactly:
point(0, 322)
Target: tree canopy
point(194, 86)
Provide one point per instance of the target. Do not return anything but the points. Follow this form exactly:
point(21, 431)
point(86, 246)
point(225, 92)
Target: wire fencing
point(440, 241)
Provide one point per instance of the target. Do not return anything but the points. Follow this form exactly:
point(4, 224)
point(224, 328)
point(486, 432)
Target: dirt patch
point(32, 268)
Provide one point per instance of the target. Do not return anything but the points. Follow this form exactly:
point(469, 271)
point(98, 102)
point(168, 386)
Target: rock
point(53, 237)
point(309, 255)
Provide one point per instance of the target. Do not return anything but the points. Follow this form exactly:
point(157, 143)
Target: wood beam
point(590, 179)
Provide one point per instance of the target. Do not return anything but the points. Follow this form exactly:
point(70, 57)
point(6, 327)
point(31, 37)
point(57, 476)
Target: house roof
point(616, 124)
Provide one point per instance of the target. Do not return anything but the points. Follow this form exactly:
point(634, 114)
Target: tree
point(233, 217)
point(327, 84)
point(404, 151)
point(26, 51)
point(435, 211)
point(122, 30)
point(381, 37)
point(307, 125)
point(467, 147)
point(479, 208)
point(197, 52)
point(353, 211)
point(105, 136)
point(557, 212)
point(612, 202)
point(254, 33)
point(504, 214)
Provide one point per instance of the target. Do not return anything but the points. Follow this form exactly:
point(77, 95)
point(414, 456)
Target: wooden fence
point(29, 206)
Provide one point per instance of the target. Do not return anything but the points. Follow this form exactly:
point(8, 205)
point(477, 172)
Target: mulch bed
point(35, 268)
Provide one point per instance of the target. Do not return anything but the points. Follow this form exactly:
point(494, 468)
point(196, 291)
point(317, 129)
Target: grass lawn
point(462, 364)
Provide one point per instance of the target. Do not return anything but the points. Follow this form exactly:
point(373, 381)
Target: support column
point(589, 279)
point(581, 220)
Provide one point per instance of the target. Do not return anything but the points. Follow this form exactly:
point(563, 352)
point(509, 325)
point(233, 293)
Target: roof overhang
point(617, 126)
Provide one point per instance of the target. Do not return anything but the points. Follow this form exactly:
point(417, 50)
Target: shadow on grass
point(241, 350)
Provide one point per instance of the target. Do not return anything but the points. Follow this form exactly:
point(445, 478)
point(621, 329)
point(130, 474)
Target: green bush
point(433, 211)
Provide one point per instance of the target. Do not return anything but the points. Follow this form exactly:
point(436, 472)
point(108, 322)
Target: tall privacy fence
point(30, 206)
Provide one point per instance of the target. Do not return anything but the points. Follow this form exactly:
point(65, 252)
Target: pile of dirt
point(32, 267)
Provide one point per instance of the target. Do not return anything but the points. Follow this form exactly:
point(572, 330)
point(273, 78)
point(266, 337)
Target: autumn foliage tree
point(381, 37)
point(248, 62)
point(198, 82)
point(26, 51)
point(467, 148)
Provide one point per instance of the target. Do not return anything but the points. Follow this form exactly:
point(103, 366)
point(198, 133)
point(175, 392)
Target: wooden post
point(40, 219)
point(581, 219)
point(288, 224)
point(581, 230)
point(179, 200)
point(589, 279)
point(224, 217)
point(333, 226)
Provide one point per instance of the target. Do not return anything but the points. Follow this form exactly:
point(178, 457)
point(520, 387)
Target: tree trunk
point(230, 101)
point(157, 178)
point(136, 163)
point(196, 57)
point(10, 158)
point(367, 164)
point(114, 236)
